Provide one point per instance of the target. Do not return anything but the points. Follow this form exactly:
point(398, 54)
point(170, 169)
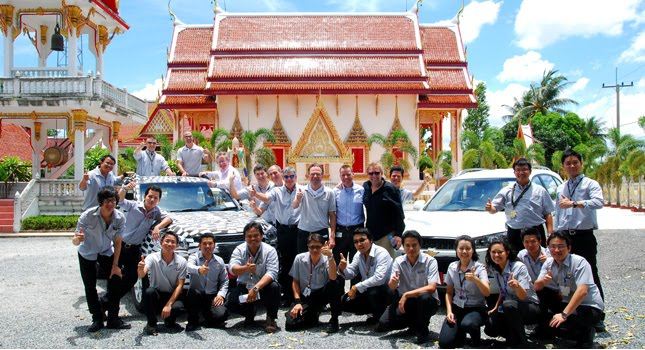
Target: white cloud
point(474, 17)
point(540, 23)
point(636, 51)
point(498, 98)
point(356, 5)
point(150, 92)
point(527, 67)
point(576, 87)
point(631, 107)
point(641, 83)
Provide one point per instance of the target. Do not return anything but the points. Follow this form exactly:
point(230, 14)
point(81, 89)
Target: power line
point(617, 87)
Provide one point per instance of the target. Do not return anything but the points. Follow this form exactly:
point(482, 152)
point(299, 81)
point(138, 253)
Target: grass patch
point(50, 222)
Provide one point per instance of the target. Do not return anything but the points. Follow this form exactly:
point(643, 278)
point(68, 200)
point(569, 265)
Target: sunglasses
point(360, 240)
point(287, 177)
point(373, 173)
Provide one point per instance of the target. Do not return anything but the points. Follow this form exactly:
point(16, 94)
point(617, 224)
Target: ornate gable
point(319, 141)
point(160, 123)
point(357, 135)
point(236, 129)
point(396, 124)
point(280, 135)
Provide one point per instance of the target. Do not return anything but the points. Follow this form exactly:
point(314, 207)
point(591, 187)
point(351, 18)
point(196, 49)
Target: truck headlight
point(483, 241)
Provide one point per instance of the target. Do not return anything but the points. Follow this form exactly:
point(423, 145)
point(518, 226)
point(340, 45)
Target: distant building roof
point(15, 141)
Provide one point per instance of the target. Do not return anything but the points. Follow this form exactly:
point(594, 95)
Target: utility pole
point(618, 87)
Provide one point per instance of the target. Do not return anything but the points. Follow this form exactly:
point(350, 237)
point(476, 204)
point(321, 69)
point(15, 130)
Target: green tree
point(477, 119)
point(93, 156)
point(641, 121)
point(635, 169)
point(621, 147)
point(127, 163)
point(397, 139)
point(166, 148)
point(486, 155)
point(556, 132)
point(445, 163)
point(250, 140)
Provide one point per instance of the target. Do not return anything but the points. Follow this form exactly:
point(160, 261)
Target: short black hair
point(315, 237)
point(363, 231)
point(205, 235)
point(106, 193)
point(522, 162)
point(107, 156)
point(253, 224)
point(259, 167)
point(171, 234)
point(397, 168)
point(467, 238)
point(412, 234)
point(569, 153)
point(531, 231)
point(153, 188)
point(563, 235)
point(512, 255)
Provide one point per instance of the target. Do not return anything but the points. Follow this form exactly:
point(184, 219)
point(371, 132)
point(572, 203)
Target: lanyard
point(532, 264)
point(504, 282)
point(254, 258)
point(571, 192)
point(514, 202)
point(367, 267)
point(311, 271)
point(462, 281)
point(563, 275)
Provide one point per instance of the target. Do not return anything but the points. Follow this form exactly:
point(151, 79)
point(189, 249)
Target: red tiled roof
point(15, 141)
point(269, 68)
point(188, 100)
point(447, 79)
point(186, 80)
point(316, 87)
point(129, 132)
point(457, 101)
point(316, 32)
point(192, 46)
point(439, 45)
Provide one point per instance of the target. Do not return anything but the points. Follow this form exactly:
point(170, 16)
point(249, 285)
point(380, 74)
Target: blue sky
point(510, 43)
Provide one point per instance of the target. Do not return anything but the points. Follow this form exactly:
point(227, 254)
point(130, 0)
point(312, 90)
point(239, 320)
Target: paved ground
point(43, 306)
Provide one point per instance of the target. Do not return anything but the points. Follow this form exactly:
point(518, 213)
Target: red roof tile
point(315, 67)
point(129, 132)
point(186, 80)
point(447, 79)
point(188, 100)
point(316, 32)
point(447, 101)
point(315, 87)
point(15, 141)
point(439, 45)
point(192, 46)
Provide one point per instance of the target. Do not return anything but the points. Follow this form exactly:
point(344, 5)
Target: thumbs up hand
point(299, 194)
point(548, 277)
point(78, 237)
point(250, 266)
point(394, 280)
point(489, 206)
point(203, 270)
point(470, 275)
point(326, 250)
point(513, 283)
point(343, 263)
point(141, 266)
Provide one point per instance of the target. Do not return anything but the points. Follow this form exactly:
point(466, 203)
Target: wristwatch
point(564, 315)
point(256, 289)
point(575, 204)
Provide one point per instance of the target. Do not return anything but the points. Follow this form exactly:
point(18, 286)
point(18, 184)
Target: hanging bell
point(58, 42)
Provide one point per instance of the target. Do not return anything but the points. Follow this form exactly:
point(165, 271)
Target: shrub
point(50, 222)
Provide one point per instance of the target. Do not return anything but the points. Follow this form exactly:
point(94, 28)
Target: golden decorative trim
point(357, 135)
point(319, 118)
point(257, 107)
point(37, 128)
point(116, 129)
point(43, 34)
point(79, 117)
point(104, 36)
point(337, 109)
point(6, 17)
point(376, 105)
point(297, 106)
point(236, 129)
point(74, 18)
point(278, 131)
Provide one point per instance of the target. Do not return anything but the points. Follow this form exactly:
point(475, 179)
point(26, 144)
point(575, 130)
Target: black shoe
point(117, 323)
point(381, 327)
point(371, 320)
point(95, 326)
point(150, 330)
point(191, 327)
point(270, 326)
point(333, 326)
point(423, 338)
point(173, 326)
point(600, 326)
point(249, 321)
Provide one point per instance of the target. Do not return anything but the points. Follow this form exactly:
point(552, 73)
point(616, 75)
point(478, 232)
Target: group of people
point(319, 229)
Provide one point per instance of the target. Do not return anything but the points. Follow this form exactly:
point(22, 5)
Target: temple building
point(322, 82)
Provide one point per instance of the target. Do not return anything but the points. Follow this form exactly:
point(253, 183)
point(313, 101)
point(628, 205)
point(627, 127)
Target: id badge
point(565, 291)
point(460, 301)
point(513, 214)
point(306, 292)
point(339, 234)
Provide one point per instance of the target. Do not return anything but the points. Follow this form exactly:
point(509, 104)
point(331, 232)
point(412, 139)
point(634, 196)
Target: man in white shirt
point(190, 156)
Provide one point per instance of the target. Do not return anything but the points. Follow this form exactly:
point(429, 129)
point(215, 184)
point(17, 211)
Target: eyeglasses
point(360, 240)
point(497, 252)
point(374, 173)
point(287, 177)
point(557, 246)
point(315, 247)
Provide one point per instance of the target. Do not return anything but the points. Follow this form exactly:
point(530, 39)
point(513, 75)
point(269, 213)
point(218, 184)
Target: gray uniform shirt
point(314, 277)
point(424, 272)
point(138, 221)
point(533, 266)
point(316, 206)
point(573, 272)
point(374, 270)
point(150, 164)
point(467, 290)
point(94, 184)
point(530, 210)
point(164, 277)
point(268, 215)
point(266, 261)
point(191, 158)
point(585, 191)
point(98, 235)
point(406, 195)
point(281, 199)
point(215, 281)
point(521, 274)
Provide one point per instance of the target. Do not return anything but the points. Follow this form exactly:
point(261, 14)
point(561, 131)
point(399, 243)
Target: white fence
point(631, 194)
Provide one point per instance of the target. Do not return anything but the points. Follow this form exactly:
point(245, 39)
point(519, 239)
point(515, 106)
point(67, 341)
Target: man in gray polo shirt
point(167, 273)
point(318, 212)
point(96, 179)
point(190, 156)
point(149, 162)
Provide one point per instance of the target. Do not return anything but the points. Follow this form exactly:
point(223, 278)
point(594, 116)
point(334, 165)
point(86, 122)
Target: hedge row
point(50, 222)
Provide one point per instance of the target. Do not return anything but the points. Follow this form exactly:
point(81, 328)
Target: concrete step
point(6, 228)
point(6, 203)
point(8, 222)
point(6, 209)
point(6, 215)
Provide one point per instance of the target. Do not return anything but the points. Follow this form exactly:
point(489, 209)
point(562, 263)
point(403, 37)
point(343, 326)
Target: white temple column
point(71, 53)
point(79, 154)
point(8, 52)
point(116, 129)
point(99, 62)
point(454, 142)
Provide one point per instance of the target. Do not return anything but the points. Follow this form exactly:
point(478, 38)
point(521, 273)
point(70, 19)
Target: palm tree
point(397, 139)
point(445, 163)
point(634, 168)
point(486, 155)
point(250, 140)
point(622, 145)
point(556, 162)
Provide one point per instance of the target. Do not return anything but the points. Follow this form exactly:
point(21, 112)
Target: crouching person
point(167, 273)
point(314, 286)
point(255, 264)
point(569, 291)
point(372, 262)
point(414, 277)
point(208, 286)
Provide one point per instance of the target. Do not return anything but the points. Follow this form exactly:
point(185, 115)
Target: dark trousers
point(584, 243)
point(287, 251)
point(303, 236)
point(313, 306)
point(128, 261)
point(199, 302)
point(579, 325)
point(510, 323)
point(514, 237)
point(468, 321)
point(373, 301)
point(345, 243)
point(417, 314)
point(154, 301)
point(89, 277)
point(269, 297)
